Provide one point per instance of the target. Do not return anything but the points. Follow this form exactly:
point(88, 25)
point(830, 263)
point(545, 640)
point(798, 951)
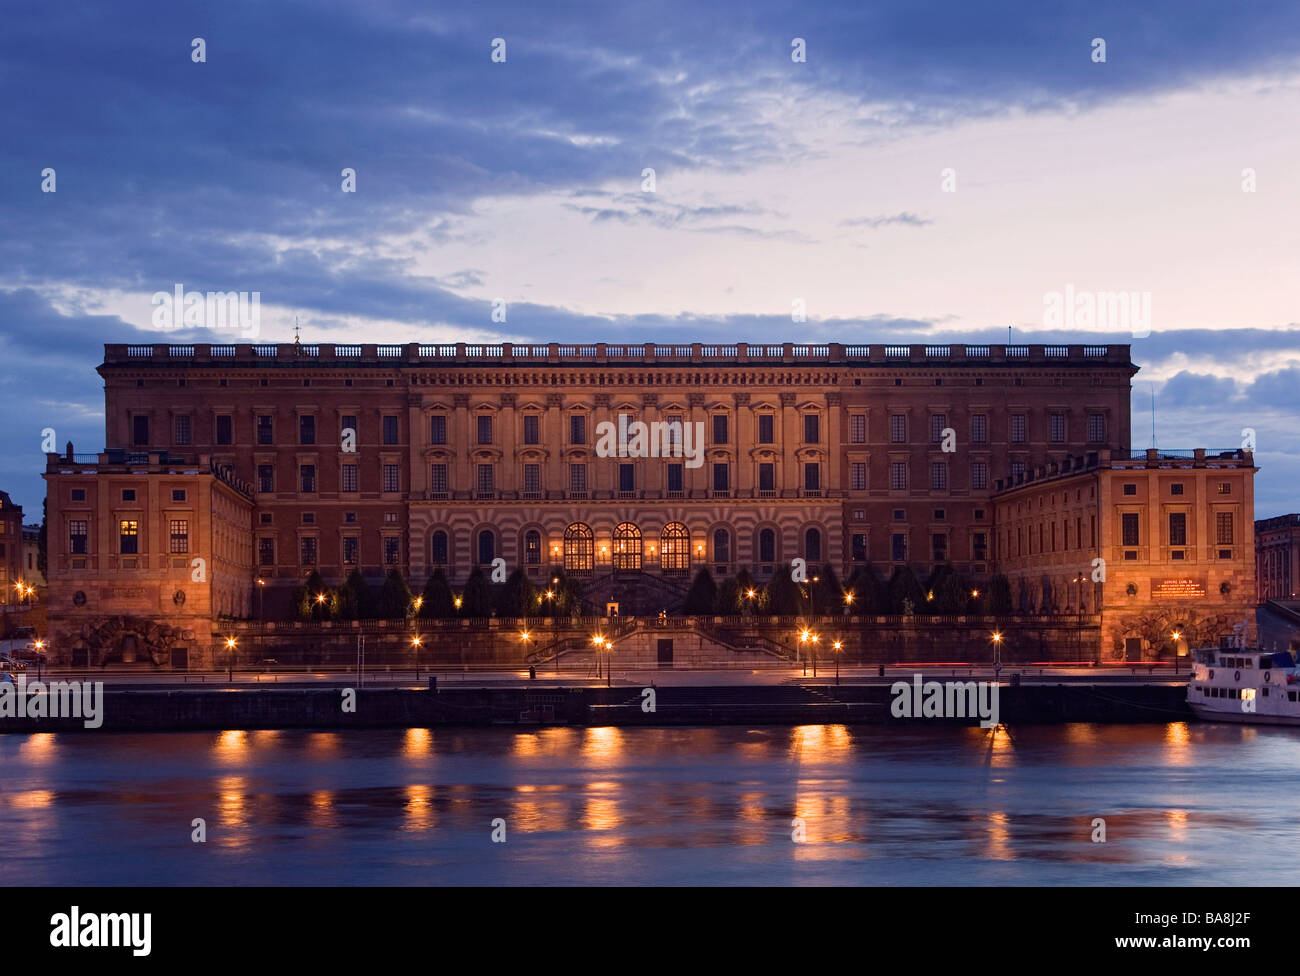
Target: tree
point(905, 592)
point(314, 600)
point(952, 595)
point(437, 601)
point(395, 598)
point(730, 596)
point(517, 598)
point(356, 601)
point(745, 586)
point(999, 601)
point(783, 596)
point(867, 589)
point(827, 593)
point(702, 598)
point(477, 599)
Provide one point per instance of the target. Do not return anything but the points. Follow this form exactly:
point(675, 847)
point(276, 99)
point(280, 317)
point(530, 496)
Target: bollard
point(1015, 679)
point(433, 683)
point(532, 673)
point(881, 671)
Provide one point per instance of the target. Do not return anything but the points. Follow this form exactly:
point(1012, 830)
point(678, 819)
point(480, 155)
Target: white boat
point(1244, 685)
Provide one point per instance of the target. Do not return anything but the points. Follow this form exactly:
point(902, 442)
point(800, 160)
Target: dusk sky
point(775, 180)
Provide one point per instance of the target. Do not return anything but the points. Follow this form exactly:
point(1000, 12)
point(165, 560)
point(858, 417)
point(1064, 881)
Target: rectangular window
point(1223, 528)
point(939, 546)
point(180, 535)
point(438, 428)
point(351, 549)
point(532, 478)
point(265, 429)
point(438, 478)
point(626, 477)
point(1017, 468)
point(483, 423)
point(898, 547)
point(1056, 424)
point(225, 431)
point(307, 474)
point(140, 430)
point(979, 475)
point(266, 477)
point(390, 429)
point(722, 477)
point(1130, 489)
point(675, 477)
point(858, 428)
point(812, 477)
point(78, 532)
point(129, 537)
point(897, 428)
point(392, 550)
point(308, 550)
point(1176, 489)
point(348, 422)
point(532, 429)
point(577, 477)
point(1096, 428)
point(938, 422)
point(349, 480)
point(182, 431)
point(979, 428)
point(1018, 428)
point(858, 476)
point(486, 483)
point(1225, 488)
point(1177, 529)
point(178, 494)
point(938, 476)
point(812, 428)
point(307, 430)
point(766, 429)
point(578, 428)
point(858, 547)
point(266, 552)
point(392, 481)
point(78, 494)
point(897, 475)
point(766, 477)
point(128, 494)
point(719, 428)
point(1129, 523)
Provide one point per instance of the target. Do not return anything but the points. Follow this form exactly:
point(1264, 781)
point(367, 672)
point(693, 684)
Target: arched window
point(487, 547)
point(627, 547)
point(675, 548)
point(766, 546)
point(438, 547)
point(532, 547)
point(579, 549)
point(721, 546)
point(812, 545)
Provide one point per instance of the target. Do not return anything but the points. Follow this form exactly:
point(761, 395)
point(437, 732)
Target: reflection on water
point(1183, 803)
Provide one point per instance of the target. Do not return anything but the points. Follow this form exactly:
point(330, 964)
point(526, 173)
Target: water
point(1183, 804)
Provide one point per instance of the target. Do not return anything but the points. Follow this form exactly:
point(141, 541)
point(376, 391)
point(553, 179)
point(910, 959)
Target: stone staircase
point(637, 594)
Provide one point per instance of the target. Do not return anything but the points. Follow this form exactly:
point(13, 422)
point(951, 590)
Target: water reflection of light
point(601, 814)
point(999, 838)
point(323, 742)
point(321, 812)
point(38, 747)
point(417, 744)
point(231, 745)
point(31, 799)
point(419, 807)
point(1001, 747)
point(751, 819)
point(604, 743)
point(231, 800)
point(539, 807)
point(1081, 734)
point(1178, 744)
point(264, 738)
point(1177, 819)
point(527, 744)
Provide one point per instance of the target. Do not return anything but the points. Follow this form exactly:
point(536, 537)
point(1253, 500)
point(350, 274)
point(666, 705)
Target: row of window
point(720, 427)
point(128, 536)
point(1130, 533)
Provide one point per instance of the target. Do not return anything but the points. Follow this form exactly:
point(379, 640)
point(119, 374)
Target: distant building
point(1279, 626)
point(1159, 543)
point(11, 552)
point(32, 557)
point(1277, 557)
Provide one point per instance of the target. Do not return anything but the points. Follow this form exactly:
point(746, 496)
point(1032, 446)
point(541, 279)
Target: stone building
point(1277, 557)
point(1159, 543)
point(11, 553)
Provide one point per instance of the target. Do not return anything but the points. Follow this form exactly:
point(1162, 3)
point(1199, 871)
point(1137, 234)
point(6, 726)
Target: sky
point(908, 171)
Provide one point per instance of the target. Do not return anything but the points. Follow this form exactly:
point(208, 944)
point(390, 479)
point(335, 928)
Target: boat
point(1236, 684)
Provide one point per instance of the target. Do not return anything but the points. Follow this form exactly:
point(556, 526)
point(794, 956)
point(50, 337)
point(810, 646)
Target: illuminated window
point(129, 537)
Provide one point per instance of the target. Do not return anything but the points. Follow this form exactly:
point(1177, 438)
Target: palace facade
point(282, 459)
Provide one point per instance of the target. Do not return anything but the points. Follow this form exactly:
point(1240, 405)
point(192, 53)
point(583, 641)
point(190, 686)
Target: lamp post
point(803, 639)
point(848, 602)
point(40, 657)
point(839, 646)
point(599, 641)
point(1176, 636)
point(415, 643)
point(815, 639)
point(261, 599)
point(997, 654)
point(230, 658)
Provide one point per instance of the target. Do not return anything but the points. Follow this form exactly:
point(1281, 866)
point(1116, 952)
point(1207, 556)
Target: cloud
point(906, 218)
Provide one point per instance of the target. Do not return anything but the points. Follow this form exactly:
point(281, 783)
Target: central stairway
point(637, 594)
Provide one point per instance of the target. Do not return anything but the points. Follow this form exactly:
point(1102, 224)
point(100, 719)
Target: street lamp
point(848, 601)
point(1176, 636)
point(997, 653)
point(230, 646)
point(261, 599)
point(40, 657)
point(839, 646)
point(599, 641)
point(815, 639)
point(803, 639)
point(415, 643)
